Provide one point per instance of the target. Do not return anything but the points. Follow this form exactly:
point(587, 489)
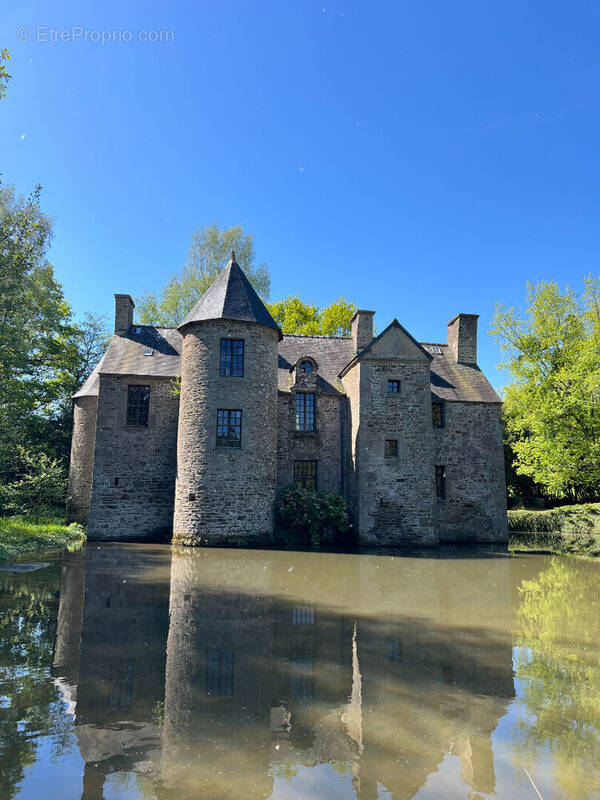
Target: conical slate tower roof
point(231, 296)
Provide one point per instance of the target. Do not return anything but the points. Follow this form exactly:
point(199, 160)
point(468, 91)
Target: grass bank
point(568, 529)
point(23, 535)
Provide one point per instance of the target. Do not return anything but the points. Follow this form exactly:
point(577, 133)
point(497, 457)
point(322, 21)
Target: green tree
point(557, 666)
point(209, 252)
point(4, 76)
point(552, 407)
point(44, 355)
point(294, 316)
point(37, 347)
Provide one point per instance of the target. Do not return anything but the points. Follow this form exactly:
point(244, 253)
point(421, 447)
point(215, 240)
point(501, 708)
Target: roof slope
point(458, 382)
point(231, 296)
point(125, 356)
point(331, 353)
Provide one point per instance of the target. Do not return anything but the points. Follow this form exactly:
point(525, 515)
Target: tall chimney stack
point(124, 306)
point(462, 338)
point(362, 329)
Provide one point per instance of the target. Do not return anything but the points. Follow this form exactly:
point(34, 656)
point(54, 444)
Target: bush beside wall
point(566, 519)
point(308, 518)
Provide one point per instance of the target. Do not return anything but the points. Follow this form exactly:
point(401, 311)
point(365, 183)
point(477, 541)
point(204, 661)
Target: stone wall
point(134, 474)
point(81, 467)
point(393, 502)
point(226, 494)
point(323, 445)
point(470, 447)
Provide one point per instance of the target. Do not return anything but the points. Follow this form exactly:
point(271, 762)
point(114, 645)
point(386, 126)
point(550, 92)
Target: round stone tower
point(227, 434)
point(83, 442)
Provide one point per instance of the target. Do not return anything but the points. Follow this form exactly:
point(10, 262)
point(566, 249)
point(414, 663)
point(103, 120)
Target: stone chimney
point(124, 306)
point(462, 338)
point(362, 329)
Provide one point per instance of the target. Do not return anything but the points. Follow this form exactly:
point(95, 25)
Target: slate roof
point(231, 296)
point(464, 382)
point(331, 354)
point(125, 356)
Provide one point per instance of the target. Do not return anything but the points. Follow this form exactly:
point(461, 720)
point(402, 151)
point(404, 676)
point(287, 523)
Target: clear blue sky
point(420, 158)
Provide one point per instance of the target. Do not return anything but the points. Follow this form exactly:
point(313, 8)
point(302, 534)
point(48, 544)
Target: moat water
point(132, 671)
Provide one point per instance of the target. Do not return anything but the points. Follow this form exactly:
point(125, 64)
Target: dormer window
point(306, 366)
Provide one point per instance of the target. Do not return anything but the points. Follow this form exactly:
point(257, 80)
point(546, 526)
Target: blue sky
point(420, 158)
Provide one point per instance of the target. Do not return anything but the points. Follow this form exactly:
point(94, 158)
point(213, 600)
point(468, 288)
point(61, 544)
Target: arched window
point(306, 366)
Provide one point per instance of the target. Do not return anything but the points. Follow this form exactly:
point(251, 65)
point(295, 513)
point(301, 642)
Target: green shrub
point(583, 518)
point(312, 518)
point(41, 486)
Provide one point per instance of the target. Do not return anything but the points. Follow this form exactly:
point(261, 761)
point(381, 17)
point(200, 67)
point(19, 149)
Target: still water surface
point(130, 671)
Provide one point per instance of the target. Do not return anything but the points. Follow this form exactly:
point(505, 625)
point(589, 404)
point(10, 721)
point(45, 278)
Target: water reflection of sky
point(167, 675)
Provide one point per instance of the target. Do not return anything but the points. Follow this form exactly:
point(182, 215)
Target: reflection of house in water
point(112, 629)
point(282, 665)
point(420, 674)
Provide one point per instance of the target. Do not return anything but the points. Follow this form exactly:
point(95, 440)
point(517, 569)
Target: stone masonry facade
point(189, 434)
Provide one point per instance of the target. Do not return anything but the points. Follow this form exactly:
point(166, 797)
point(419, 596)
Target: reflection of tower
point(217, 696)
point(113, 619)
point(65, 664)
point(258, 675)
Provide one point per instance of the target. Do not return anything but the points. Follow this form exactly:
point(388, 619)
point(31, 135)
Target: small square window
point(440, 480)
point(305, 474)
point(391, 448)
point(437, 415)
point(394, 387)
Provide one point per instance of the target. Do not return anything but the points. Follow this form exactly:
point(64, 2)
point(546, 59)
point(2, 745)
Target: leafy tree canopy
point(294, 316)
point(209, 252)
point(552, 408)
point(44, 355)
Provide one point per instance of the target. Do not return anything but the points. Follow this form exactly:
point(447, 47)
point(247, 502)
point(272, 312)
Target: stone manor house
point(410, 433)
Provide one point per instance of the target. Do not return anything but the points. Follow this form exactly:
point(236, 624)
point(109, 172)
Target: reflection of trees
point(30, 706)
point(558, 666)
